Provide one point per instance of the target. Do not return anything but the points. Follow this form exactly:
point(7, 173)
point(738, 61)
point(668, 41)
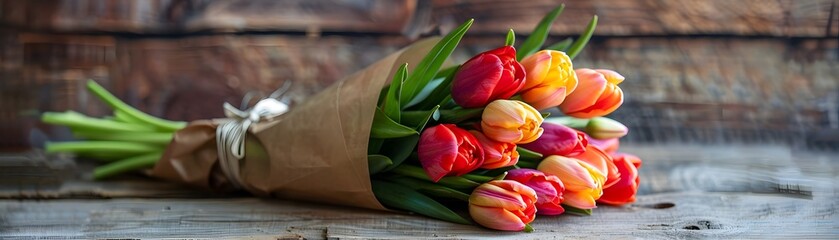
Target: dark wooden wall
point(709, 71)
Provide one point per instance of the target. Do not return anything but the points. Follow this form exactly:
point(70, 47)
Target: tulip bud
point(597, 94)
point(623, 191)
point(548, 189)
point(558, 140)
point(488, 76)
point(583, 182)
point(605, 128)
point(511, 121)
point(496, 154)
point(550, 77)
point(446, 150)
point(503, 205)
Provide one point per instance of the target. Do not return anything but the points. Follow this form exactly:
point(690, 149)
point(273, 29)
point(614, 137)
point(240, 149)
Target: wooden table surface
point(687, 191)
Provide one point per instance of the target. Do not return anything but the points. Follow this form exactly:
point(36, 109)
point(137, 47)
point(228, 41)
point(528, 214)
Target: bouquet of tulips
point(466, 143)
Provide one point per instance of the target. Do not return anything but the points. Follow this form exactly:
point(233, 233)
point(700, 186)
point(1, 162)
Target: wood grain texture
point(787, 18)
point(687, 191)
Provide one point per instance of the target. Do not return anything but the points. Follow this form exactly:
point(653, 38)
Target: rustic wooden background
point(711, 74)
point(698, 71)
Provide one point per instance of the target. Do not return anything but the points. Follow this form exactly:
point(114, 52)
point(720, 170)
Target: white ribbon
point(230, 135)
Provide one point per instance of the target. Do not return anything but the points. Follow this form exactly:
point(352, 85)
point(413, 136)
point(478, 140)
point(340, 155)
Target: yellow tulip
point(550, 78)
point(511, 121)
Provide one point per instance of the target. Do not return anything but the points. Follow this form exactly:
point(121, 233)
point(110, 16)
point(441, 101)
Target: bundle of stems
point(129, 140)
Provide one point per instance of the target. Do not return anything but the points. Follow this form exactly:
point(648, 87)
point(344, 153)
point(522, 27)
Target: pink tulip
point(503, 205)
point(558, 140)
point(548, 189)
point(446, 150)
point(491, 75)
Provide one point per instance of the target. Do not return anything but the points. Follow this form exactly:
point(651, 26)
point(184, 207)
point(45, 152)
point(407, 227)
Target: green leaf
point(534, 42)
point(431, 188)
point(460, 115)
point(399, 149)
point(376, 163)
point(442, 91)
point(419, 173)
point(391, 105)
point(500, 176)
point(561, 45)
point(477, 178)
point(528, 228)
point(430, 64)
point(384, 127)
point(511, 38)
point(420, 118)
point(525, 164)
point(576, 211)
point(425, 92)
point(578, 45)
point(546, 114)
point(400, 197)
point(525, 153)
point(374, 145)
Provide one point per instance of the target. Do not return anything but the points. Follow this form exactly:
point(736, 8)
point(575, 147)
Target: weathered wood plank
point(660, 216)
point(787, 18)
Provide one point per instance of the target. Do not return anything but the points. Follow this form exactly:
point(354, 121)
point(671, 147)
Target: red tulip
point(597, 94)
point(446, 150)
point(491, 75)
point(558, 139)
point(624, 190)
point(548, 189)
point(503, 205)
point(496, 154)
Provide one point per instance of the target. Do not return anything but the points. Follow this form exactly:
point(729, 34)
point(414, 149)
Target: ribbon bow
point(230, 135)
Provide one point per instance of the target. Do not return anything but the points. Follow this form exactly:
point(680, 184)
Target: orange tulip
point(503, 205)
point(603, 162)
point(496, 154)
point(583, 182)
point(511, 121)
point(596, 95)
point(623, 191)
point(550, 78)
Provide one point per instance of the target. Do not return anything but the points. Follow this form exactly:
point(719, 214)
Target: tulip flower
point(583, 182)
point(446, 150)
point(550, 77)
point(623, 191)
point(503, 205)
point(491, 75)
point(548, 189)
point(496, 154)
point(607, 145)
point(558, 140)
point(511, 121)
point(596, 95)
point(603, 162)
point(605, 128)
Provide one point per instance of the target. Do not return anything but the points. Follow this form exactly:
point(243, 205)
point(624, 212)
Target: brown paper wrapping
point(316, 152)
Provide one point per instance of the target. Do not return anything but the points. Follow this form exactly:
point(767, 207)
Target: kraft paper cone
point(317, 152)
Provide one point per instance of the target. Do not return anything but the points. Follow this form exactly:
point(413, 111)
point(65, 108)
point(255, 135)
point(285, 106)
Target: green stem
point(131, 112)
point(102, 146)
point(126, 165)
point(477, 178)
point(156, 138)
point(80, 121)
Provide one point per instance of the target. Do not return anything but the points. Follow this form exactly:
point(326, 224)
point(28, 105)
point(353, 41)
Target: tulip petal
point(496, 218)
point(572, 173)
point(474, 83)
point(580, 199)
point(591, 86)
